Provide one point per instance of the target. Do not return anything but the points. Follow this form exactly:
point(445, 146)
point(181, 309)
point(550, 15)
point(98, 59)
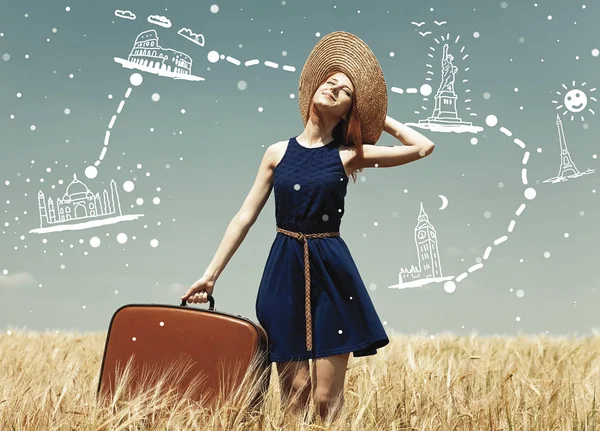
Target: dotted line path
point(529, 194)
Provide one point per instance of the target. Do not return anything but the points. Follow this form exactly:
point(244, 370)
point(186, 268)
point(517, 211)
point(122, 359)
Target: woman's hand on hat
point(199, 291)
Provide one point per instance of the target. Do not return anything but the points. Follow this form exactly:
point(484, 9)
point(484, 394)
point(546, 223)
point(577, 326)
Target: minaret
point(42, 208)
point(107, 206)
point(51, 211)
point(566, 164)
point(427, 247)
point(115, 197)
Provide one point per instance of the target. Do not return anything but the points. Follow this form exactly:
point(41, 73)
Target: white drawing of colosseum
point(148, 56)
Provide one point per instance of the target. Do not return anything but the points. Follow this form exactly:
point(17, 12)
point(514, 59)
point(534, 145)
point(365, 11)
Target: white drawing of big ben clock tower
point(427, 247)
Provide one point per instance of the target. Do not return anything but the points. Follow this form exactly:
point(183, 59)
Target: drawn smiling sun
point(575, 100)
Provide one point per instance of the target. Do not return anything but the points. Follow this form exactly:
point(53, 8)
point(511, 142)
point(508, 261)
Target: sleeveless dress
point(310, 186)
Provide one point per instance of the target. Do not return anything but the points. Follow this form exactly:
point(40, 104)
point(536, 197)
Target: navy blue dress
point(310, 185)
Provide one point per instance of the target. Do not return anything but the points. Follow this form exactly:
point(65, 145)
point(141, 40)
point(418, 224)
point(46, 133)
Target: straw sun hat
point(344, 52)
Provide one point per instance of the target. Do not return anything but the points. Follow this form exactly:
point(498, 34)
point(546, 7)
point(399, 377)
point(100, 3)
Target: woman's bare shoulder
point(277, 151)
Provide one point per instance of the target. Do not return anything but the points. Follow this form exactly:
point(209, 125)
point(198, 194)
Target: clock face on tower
point(421, 235)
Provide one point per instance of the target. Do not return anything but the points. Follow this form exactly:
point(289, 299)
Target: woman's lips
point(329, 95)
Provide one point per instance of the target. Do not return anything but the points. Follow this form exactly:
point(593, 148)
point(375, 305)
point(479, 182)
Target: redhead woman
point(311, 300)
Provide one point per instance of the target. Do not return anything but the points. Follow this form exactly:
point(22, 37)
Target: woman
point(311, 300)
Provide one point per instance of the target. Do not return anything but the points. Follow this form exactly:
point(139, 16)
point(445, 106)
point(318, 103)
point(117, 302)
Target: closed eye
point(345, 91)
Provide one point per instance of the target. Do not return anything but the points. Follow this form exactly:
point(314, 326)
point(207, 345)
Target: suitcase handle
point(211, 302)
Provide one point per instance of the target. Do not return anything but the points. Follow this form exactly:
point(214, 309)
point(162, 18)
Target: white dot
point(449, 286)
point(91, 172)
point(260, 109)
point(516, 89)
point(133, 338)
point(6, 57)
point(340, 331)
point(476, 35)
point(549, 17)
point(139, 201)
point(500, 185)
point(135, 79)
point(425, 89)
point(162, 323)
point(372, 286)
point(122, 238)
point(32, 127)
point(530, 193)
point(486, 95)
point(296, 187)
point(183, 111)
point(474, 141)
point(213, 56)
point(5, 272)
point(487, 214)
point(503, 5)
point(214, 8)
point(520, 293)
point(521, 40)
point(546, 254)
point(566, 235)
point(154, 243)
point(318, 34)
point(242, 85)
point(518, 319)
point(155, 97)
point(595, 52)
point(491, 120)
point(156, 201)
point(95, 242)
point(292, 96)
point(128, 186)
point(67, 8)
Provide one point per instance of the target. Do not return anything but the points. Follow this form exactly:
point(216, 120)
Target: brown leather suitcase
point(206, 352)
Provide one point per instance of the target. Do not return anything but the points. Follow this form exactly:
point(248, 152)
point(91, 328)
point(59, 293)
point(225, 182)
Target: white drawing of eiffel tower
point(567, 168)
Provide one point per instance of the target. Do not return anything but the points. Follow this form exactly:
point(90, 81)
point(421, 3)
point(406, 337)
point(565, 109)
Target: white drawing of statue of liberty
point(445, 115)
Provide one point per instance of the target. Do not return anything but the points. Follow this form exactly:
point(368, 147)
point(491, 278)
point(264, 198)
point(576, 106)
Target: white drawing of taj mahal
point(148, 56)
point(429, 268)
point(79, 208)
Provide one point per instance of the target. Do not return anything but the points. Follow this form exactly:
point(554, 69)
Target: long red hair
point(349, 131)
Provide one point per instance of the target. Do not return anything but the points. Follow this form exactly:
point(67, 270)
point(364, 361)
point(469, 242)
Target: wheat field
point(48, 381)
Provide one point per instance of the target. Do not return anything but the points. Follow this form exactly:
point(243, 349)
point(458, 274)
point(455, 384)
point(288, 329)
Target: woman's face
point(334, 97)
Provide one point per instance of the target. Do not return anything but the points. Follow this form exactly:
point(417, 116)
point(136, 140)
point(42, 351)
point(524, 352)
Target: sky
point(517, 253)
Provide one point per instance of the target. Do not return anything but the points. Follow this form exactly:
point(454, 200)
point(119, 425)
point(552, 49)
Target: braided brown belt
point(303, 237)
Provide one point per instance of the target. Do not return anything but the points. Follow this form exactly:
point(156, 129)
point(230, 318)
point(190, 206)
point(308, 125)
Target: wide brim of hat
point(344, 52)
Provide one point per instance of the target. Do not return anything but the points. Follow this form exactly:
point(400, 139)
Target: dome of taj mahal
point(76, 187)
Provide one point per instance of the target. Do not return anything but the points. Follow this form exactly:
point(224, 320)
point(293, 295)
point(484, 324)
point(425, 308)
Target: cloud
point(127, 14)
point(160, 20)
point(198, 39)
point(18, 279)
